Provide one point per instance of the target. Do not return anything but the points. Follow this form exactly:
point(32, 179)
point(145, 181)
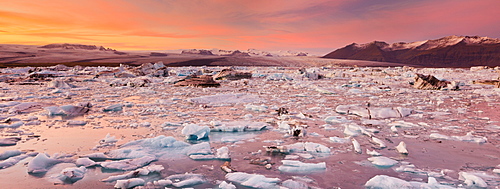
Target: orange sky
point(316, 26)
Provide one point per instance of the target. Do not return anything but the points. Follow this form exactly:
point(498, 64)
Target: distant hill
point(451, 51)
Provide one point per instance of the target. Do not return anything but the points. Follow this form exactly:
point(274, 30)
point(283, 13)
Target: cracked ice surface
point(118, 127)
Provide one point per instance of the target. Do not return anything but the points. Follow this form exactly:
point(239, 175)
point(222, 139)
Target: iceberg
point(70, 174)
point(42, 163)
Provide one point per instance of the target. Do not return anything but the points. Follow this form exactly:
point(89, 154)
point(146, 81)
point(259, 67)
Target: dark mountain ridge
point(451, 51)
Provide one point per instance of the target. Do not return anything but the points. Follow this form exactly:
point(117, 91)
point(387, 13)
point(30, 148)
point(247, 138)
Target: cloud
point(242, 24)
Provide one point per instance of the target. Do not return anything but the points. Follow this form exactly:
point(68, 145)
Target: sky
point(314, 26)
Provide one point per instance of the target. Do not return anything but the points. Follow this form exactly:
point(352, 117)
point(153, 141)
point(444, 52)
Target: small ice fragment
point(380, 143)
point(113, 108)
point(128, 164)
point(294, 184)
point(382, 162)
point(472, 180)
point(139, 172)
point(357, 146)
point(338, 139)
point(401, 148)
point(76, 122)
point(41, 163)
point(71, 174)
point(129, 183)
point(384, 181)
point(186, 180)
point(195, 132)
point(225, 185)
point(12, 161)
point(86, 162)
point(372, 153)
point(9, 153)
point(223, 154)
point(293, 166)
point(253, 180)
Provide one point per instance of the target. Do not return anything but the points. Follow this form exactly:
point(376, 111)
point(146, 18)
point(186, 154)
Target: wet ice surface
point(340, 131)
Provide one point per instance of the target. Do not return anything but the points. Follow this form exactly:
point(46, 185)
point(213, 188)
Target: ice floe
point(253, 180)
point(293, 166)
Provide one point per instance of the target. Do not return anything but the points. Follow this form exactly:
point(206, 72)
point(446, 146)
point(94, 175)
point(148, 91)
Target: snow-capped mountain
point(451, 51)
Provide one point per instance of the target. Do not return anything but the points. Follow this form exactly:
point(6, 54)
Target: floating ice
point(226, 99)
point(160, 146)
point(257, 108)
point(253, 180)
point(467, 138)
point(336, 120)
point(9, 153)
point(186, 180)
point(23, 107)
point(76, 123)
point(14, 160)
point(352, 129)
point(472, 180)
point(114, 108)
point(373, 112)
point(13, 125)
point(381, 144)
point(129, 183)
point(70, 174)
point(338, 139)
point(60, 84)
point(292, 166)
point(238, 126)
point(195, 132)
point(139, 172)
point(382, 162)
point(70, 110)
point(225, 185)
point(310, 147)
point(86, 162)
point(401, 148)
point(42, 163)
point(357, 146)
point(384, 181)
point(128, 164)
point(372, 153)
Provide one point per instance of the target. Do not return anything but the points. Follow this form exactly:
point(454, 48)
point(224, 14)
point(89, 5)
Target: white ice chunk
point(384, 181)
point(139, 172)
point(338, 139)
point(372, 153)
point(108, 139)
point(86, 162)
point(257, 108)
point(186, 180)
point(129, 183)
point(13, 125)
point(42, 163)
point(310, 147)
point(357, 146)
point(195, 132)
point(472, 180)
point(381, 144)
point(76, 123)
point(225, 185)
point(12, 161)
point(293, 166)
point(382, 162)
point(114, 108)
point(294, 184)
point(128, 164)
point(238, 126)
point(223, 153)
point(401, 148)
point(336, 120)
point(71, 174)
point(253, 180)
point(466, 138)
point(9, 153)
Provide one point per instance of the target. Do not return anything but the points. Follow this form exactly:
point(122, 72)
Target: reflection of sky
point(317, 25)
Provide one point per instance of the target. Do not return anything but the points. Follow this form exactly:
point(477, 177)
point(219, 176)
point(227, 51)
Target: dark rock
point(429, 82)
point(229, 74)
point(197, 81)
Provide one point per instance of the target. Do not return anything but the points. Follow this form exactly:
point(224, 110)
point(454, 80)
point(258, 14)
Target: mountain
point(451, 51)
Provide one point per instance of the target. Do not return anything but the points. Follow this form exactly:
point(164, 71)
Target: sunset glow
point(315, 26)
